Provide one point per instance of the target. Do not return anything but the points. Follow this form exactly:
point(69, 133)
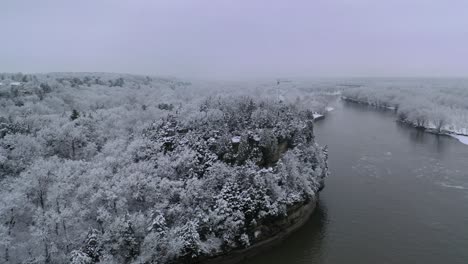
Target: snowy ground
point(462, 139)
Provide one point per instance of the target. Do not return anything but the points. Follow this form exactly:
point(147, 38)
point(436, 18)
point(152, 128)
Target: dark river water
point(395, 195)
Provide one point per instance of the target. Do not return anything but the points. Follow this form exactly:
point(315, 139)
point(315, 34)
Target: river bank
point(463, 138)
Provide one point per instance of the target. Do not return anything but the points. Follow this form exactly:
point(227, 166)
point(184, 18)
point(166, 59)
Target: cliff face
point(269, 233)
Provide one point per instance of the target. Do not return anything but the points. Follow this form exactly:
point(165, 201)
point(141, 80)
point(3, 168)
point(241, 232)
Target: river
point(395, 195)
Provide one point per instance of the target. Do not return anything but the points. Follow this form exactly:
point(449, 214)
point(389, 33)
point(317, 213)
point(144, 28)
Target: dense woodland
point(109, 168)
point(438, 104)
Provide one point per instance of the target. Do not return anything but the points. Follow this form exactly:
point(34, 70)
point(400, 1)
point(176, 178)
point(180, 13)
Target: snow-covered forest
point(438, 104)
point(117, 168)
point(112, 168)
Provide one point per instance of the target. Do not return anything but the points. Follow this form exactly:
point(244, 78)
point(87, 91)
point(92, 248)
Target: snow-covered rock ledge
point(319, 116)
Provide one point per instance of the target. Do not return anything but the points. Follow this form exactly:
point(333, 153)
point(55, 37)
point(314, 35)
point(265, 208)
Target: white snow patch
point(256, 138)
point(257, 233)
point(235, 139)
point(462, 139)
point(15, 83)
point(269, 169)
point(458, 187)
point(315, 115)
point(329, 108)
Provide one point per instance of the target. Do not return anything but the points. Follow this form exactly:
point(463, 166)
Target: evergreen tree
point(74, 115)
point(92, 246)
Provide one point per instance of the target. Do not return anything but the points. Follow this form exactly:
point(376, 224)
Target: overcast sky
point(235, 39)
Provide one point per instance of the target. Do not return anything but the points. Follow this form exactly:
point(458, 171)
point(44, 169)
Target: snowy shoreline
point(463, 138)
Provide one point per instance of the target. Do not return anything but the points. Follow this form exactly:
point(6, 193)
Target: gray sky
point(239, 38)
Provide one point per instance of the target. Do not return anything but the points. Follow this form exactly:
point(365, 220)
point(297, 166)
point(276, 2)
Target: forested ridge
point(111, 168)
